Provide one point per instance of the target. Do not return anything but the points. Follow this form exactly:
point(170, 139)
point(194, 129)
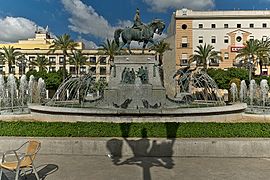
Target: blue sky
point(93, 21)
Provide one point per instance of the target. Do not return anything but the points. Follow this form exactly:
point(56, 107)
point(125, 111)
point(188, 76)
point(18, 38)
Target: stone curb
point(194, 147)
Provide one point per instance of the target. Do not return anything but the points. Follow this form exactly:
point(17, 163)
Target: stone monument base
point(137, 90)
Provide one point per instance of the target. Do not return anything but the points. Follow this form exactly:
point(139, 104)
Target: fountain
point(135, 92)
point(234, 92)
point(243, 91)
point(264, 91)
point(13, 100)
point(252, 91)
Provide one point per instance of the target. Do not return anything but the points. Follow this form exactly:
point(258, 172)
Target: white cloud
point(88, 44)
point(163, 5)
point(16, 28)
point(85, 20)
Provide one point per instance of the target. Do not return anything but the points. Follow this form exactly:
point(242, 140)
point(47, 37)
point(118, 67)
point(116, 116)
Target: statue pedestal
point(135, 83)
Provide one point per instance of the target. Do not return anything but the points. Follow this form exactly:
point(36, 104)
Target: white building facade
point(227, 31)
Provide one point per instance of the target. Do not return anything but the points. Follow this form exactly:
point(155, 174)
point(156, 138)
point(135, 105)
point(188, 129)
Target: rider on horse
point(137, 22)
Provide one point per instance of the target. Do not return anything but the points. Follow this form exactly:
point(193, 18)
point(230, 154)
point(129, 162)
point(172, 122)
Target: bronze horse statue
point(134, 34)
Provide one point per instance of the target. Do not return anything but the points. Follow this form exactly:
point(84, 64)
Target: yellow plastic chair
point(22, 161)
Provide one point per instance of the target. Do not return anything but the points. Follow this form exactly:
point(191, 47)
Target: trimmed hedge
point(170, 130)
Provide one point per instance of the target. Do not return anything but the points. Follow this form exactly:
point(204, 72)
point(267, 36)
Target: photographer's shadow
point(146, 153)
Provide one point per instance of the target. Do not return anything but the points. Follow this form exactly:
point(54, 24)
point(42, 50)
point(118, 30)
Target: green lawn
point(185, 130)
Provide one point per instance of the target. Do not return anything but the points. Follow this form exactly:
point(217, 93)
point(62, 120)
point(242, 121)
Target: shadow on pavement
point(146, 153)
point(43, 172)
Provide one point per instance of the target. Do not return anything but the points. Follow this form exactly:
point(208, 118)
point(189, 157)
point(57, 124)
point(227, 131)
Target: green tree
point(110, 48)
point(78, 59)
point(204, 54)
point(41, 62)
point(100, 85)
point(63, 43)
point(10, 55)
point(263, 53)
point(160, 49)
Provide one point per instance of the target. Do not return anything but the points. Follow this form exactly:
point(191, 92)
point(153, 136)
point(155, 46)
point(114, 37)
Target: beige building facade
point(226, 31)
point(39, 46)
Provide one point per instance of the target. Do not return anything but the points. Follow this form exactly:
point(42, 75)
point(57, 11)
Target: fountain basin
point(203, 114)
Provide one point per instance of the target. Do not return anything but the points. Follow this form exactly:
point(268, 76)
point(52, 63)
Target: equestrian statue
point(139, 32)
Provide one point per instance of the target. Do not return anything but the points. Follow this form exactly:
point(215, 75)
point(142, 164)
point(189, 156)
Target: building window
point(31, 58)
point(102, 60)
point(200, 25)
point(184, 43)
point(238, 38)
point(264, 25)
point(251, 25)
point(226, 39)
point(226, 25)
point(93, 69)
point(12, 70)
point(213, 39)
point(52, 60)
point(213, 25)
point(61, 60)
point(82, 70)
point(2, 70)
point(184, 60)
point(200, 39)
point(184, 26)
point(102, 71)
point(251, 37)
point(92, 60)
point(226, 55)
point(52, 69)
point(72, 70)
point(238, 25)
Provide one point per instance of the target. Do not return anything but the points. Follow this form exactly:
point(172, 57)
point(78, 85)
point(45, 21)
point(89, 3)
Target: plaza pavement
point(142, 159)
point(74, 167)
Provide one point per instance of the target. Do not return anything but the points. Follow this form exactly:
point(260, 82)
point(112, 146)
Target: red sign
point(236, 48)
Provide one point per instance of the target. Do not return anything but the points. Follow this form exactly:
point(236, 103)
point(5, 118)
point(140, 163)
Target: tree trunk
point(64, 65)
point(261, 65)
point(77, 71)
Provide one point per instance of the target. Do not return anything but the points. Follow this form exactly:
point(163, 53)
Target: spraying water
point(252, 91)
point(31, 88)
point(243, 91)
point(264, 91)
point(41, 90)
point(234, 92)
point(23, 90)
point(12, 93)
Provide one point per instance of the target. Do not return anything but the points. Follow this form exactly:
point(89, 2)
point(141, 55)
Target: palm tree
point(41, 62)
point(204, 54)
point(10, 55)
point(160, 49)
point(63, 43)
point(249, 52)
point(263, 53)
point(22, 64)
point(110, 48)
point(78, 59)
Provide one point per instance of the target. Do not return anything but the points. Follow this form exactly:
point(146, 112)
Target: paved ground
point(102, 168)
